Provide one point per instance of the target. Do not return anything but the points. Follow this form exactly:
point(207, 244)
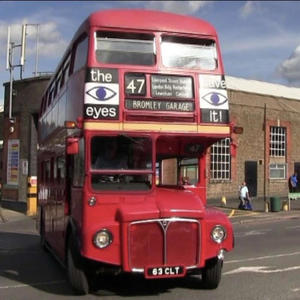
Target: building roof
point(262, 88)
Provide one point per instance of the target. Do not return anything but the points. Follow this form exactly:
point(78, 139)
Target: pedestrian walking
point(245, 200)
point(293, 181)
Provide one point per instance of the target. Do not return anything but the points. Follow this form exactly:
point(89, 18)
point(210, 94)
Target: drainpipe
point(266, 204)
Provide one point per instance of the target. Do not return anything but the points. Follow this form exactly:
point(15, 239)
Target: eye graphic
point(101, 93)
point(215, 99)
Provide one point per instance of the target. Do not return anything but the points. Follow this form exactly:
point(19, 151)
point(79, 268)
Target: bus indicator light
point(70, 124)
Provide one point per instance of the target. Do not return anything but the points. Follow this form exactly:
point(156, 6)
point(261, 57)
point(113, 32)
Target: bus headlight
point(103, 238)
point(218, 234)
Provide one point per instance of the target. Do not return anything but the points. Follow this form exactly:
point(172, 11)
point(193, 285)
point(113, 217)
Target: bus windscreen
point(112, 155)
point(131, 49)
point(189, 53)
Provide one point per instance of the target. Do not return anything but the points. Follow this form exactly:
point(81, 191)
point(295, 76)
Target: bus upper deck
point(163, 75)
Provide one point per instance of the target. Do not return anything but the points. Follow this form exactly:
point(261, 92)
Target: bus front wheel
point(211, 274)
point(76, 275)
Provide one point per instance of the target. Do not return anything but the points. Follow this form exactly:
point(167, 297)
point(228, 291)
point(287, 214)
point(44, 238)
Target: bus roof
point(150, 20)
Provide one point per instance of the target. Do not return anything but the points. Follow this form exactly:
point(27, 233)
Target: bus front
point(155, 101)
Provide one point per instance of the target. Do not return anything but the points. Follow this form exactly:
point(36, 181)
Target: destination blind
point(160, 105)
point(163, 86)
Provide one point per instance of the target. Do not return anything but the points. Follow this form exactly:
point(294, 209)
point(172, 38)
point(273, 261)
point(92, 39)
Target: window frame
point(79, 165)
point(278, 141)
point(223, 166)
point(187, 45)
point(123, 37)
point(276, 168)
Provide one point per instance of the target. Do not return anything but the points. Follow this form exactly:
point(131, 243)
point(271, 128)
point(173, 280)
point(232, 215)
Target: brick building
point(265, 154)
point(268, 151)
point(20, 136)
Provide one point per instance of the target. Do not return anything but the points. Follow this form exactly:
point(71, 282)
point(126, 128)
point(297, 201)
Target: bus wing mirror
point(72, 145)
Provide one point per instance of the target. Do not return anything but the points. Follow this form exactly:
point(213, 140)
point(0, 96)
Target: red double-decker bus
point(124, 128)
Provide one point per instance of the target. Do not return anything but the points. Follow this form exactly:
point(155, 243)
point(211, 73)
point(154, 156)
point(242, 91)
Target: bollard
point(285, 206)
point(31, 197)
point(223, 200)
point(266, 206)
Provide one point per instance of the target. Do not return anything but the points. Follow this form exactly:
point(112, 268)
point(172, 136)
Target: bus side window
point(78, 167)
point(81, 52)
point(54, 172)
point(67, 69)
point(42, 172)
point(47, 171)
point(60, 169)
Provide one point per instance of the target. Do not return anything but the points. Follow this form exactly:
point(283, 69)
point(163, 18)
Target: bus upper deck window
point(190, 53)
point(125, 48)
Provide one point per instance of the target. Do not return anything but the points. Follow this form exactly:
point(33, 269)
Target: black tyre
point(211, 274)
point(76, 275)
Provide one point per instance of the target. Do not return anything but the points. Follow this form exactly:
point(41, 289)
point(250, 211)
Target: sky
point(259, 39)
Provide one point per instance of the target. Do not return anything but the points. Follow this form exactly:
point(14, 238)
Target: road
point(264, 265)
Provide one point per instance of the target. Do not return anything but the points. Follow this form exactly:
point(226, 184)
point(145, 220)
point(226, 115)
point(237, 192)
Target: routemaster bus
point(124, 131)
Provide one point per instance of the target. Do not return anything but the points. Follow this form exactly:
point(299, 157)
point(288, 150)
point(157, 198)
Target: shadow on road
point(23, 263)
point(133, 285)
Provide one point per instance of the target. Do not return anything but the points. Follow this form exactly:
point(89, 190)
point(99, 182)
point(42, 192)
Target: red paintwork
point(150, 21)
point(134, 245)
point(165, 203)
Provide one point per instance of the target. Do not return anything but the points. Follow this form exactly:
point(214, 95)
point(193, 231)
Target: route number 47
point(135, 84)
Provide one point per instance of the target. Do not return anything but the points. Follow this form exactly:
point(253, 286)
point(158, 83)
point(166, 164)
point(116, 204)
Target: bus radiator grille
point(172, 241)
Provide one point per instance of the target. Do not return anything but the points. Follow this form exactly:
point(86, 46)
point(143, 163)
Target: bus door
point(75, 179)
point(60, 201)
point(181, 162)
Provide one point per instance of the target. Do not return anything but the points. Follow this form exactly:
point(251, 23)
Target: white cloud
point(180, 7)
point(247, 9)
point(289, 69)
point(50, 37)
point(280, 40)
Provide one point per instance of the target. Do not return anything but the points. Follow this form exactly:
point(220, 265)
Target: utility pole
point(9, 60)
point(10, 64)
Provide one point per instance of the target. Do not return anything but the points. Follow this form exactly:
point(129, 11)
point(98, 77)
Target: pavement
point(259, 212)
point(11, 213)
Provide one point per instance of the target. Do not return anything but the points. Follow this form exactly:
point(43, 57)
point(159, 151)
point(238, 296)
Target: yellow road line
point(246, 214)
point(232, 213)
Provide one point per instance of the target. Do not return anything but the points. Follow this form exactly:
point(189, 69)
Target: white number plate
point(165, 271)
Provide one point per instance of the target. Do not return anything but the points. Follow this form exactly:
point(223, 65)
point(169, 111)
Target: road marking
point(252, 233)
point(245, 213)
point(231, 214)
point(32, 284)
point(293, 227)
point(260, 269)
point(261, 258)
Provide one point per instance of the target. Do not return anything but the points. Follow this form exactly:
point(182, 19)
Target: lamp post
point(9, 60)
